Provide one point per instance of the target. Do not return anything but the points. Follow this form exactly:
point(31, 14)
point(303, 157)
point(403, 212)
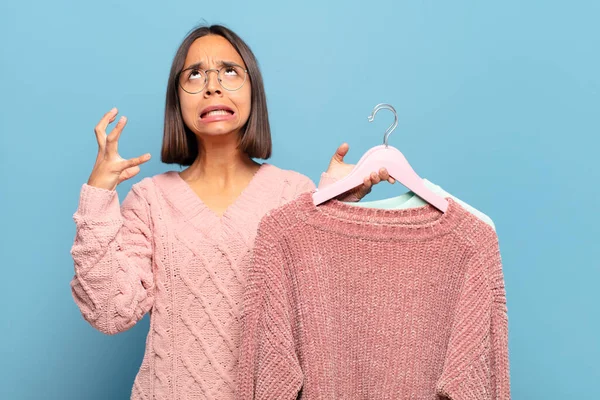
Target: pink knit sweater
point(346, 302)
point(165, 252)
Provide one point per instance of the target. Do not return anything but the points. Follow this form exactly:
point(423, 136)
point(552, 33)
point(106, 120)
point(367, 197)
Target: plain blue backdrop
point(498, 102)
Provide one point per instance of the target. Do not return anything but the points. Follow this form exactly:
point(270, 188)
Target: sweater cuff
point(96, 202)
point(326, 180)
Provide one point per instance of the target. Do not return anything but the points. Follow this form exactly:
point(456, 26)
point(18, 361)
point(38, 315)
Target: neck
point(219, 161)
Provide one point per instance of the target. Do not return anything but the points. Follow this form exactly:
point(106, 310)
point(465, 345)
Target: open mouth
point(216, 112)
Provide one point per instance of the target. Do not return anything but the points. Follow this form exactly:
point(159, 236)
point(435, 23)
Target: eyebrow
point(220, 63)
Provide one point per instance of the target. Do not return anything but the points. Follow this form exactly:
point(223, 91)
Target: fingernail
point(112, 110)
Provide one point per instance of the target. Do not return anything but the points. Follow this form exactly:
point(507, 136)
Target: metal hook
point(391, 128)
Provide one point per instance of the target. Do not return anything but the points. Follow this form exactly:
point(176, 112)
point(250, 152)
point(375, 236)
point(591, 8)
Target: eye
point(231, 71)
point(194, 74)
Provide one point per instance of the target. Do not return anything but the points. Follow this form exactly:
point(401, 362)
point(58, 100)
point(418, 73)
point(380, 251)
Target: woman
point(179, 245)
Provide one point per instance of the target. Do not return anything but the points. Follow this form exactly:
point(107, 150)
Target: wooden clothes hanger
point(382, 156)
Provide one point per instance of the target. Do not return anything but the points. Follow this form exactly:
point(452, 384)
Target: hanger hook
point(391, 128)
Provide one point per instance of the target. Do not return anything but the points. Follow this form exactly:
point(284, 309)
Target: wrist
point(100, 184)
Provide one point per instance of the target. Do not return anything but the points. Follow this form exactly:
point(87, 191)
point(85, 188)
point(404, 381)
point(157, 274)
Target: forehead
point(211, 49)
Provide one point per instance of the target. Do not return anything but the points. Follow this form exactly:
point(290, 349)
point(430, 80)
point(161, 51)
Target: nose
point(212, 82)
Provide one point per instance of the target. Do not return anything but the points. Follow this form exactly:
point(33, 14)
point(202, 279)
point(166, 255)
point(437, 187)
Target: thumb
point(340, 153)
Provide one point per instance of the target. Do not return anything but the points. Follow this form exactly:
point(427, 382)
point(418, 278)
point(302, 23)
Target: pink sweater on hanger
point(163, 251)
point(346, 302)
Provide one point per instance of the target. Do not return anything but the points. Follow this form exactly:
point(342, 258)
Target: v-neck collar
point(194, 209)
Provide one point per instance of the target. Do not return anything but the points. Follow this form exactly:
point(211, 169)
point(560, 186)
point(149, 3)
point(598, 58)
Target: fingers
point(340, 153)
point(100, 129)
point(129, 173)
point(364, 189)
point(131, 167)
point(134, 162)
point(375, 179)
point(385, 176)
point(112, 140)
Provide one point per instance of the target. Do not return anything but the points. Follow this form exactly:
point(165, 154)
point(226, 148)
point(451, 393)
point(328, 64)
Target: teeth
point(217, 112)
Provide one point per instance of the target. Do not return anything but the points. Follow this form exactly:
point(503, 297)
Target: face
point(232, 107)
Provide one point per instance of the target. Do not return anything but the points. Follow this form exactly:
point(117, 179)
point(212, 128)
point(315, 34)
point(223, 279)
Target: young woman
point(179, 245)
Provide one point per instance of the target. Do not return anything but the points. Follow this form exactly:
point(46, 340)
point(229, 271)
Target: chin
point(218, 132)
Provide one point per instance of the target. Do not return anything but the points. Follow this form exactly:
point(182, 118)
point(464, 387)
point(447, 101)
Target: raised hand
point(339, 169)
point(110, 168)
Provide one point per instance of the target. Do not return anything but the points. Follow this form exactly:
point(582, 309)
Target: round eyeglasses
point(231, 77)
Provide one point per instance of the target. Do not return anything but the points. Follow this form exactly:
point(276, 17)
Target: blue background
point(499, 103)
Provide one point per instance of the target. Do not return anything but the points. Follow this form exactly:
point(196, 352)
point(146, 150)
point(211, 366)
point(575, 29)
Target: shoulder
point(289, 184)
point(480, 215)
point(277, 222)
point(152, 186)
point(483, 261)
point(476, 233)
point(289, 176)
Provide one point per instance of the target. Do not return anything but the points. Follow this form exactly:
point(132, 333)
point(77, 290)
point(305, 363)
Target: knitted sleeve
point(327, 179)
point(305, 185)
point(268, 367)
point(476, 365)
point(295, 185)
point(112, 254)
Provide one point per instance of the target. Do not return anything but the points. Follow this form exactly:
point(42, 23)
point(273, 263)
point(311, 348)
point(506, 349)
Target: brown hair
point(180, 145)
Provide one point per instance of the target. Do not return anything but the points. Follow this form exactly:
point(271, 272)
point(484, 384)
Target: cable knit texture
point(345, 302)
point(163, 251)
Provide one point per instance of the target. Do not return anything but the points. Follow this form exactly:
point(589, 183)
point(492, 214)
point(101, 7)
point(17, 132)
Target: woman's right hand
point(110, 168)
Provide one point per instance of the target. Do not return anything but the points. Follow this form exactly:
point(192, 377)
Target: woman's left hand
point(338, 169)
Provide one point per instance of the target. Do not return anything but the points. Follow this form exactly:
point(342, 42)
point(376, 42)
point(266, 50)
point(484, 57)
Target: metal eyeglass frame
point(206, 71)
